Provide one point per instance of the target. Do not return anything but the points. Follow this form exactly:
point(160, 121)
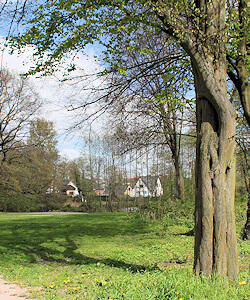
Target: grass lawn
point(108, 256)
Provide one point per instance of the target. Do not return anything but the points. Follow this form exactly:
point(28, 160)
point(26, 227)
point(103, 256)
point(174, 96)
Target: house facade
point(148, 186)
point(144, 186)
point(71, 190)
point(99, 190)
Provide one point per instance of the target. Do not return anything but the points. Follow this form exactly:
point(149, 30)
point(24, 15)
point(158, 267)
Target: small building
point(70, 189)
point(99, 190)
point(142, 186)
point(148, 186)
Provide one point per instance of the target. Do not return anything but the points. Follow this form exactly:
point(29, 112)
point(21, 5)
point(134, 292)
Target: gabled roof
point(98, 188)
point(130, 181)
point(69, 185)
point(150, 182)
point(118, 190)
point(70, 188)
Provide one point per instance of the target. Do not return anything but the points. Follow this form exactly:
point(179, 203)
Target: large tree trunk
point(215, 234)
point(215, 249)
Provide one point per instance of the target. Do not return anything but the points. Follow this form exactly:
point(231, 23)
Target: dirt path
point(10, 291)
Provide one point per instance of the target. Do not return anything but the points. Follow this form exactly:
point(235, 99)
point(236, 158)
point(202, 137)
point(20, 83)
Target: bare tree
point(150, 105)
point(18, 103)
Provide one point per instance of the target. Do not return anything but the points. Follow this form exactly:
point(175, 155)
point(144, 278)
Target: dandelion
point(96, 280)
point(45, 273)
point(104, 282)
point(37, 293)
point(177, 293)
point(242, 283)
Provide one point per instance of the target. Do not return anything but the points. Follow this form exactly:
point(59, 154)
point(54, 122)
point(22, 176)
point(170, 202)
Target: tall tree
point(40, 158)
point(18, 104)
point(152, 106)
point(200, 29)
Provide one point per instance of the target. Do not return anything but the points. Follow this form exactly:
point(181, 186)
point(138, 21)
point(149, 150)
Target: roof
point(98, 188)
point(118, 190)
point(150, 181)
point(69, 185)
point(71, 188)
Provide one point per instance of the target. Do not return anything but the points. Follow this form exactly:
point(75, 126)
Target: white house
point(147, 186)
point(71, 189)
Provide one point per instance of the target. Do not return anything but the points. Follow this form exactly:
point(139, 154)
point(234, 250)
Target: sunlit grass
point(108, 256)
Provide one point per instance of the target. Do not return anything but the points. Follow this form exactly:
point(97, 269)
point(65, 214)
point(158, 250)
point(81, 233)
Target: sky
point(57, 96)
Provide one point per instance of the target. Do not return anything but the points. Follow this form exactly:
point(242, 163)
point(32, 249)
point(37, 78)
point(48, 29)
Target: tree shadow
point(32, 237)
point(189, 233)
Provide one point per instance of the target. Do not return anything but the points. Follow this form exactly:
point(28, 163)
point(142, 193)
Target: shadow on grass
point(189, 233)
point(35, 237)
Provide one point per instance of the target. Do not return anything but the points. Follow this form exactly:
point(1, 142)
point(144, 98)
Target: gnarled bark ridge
point(215, 234)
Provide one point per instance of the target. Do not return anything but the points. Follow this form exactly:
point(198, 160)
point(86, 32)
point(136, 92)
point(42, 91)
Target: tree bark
point(215, 249)
point(246, 233)
point(180, 186)
point(243, 87)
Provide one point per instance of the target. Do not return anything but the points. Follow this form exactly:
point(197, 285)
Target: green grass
point(108, 256)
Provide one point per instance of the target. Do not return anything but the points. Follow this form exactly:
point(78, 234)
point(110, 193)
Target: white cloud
point(69, 153)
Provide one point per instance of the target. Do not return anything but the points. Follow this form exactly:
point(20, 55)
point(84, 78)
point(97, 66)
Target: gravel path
point(10, 291)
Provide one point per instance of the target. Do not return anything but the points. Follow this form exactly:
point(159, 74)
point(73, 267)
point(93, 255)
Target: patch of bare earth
point(11, 291)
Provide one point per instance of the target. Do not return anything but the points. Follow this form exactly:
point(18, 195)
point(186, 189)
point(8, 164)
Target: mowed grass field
point(109, 256)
